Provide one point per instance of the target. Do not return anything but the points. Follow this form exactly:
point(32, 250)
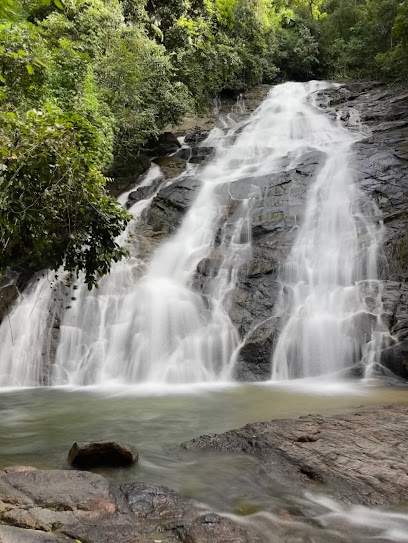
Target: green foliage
point(366, 38)
point(87, 82)
point(231, 45)
point(53, 207)
point(137, 81)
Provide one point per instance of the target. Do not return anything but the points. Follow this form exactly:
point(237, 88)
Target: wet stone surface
point(55, 506)
point(369, 468)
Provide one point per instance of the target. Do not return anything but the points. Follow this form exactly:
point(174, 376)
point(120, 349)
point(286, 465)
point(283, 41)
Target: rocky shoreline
point(299, 455)
point(60, 506)
point(357, 458)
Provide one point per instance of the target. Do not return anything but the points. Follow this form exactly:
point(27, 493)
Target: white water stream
point(148, 324)
point(334, 298)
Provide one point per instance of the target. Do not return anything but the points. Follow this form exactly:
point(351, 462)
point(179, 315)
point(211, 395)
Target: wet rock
point(56, 506)
point(395, 358)
point(369, 467)
point(127, 173)
point(195, 155)
point(255, 96)
point(171, 204)
point(194, 138)
point(166, 144)
point(184, 154)
point(196, 127)
point(142, 193)
point(11, 534)
point(279, 203)
point(212, 527)
point(151, 501)
point(102, 453)
point(199, 154)
point(171, 166)
point(381, 171)
point(8, 295)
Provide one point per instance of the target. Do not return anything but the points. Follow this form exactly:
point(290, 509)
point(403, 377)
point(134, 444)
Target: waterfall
point(148, 323)
point(331, 291)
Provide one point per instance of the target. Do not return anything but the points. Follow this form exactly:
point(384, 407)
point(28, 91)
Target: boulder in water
point(102, 453)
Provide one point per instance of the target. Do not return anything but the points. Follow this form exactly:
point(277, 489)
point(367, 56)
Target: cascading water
point(330, 279)
point(147, 323)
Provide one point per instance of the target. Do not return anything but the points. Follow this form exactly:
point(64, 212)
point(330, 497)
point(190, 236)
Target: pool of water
point(39, 425)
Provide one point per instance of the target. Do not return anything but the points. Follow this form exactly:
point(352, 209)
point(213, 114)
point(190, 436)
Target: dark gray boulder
point(126, 173)
point(102, 453)
point(166, 144)
point(194, 138)
point(170, 205)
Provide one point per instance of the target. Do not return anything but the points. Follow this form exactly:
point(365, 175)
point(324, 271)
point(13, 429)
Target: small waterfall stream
point(147, 323)
point(330, 280)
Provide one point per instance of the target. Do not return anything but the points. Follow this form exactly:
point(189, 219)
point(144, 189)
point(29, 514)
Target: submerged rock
point(102, 453)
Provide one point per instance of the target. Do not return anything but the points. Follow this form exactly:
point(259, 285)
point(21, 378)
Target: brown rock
point(18, 469)
point(10, 534)
point(63, 490)
point(56, 506)
point(102, 453)
point(171, 166)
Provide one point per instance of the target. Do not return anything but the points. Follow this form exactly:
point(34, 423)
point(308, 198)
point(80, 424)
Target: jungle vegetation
point(87, 83)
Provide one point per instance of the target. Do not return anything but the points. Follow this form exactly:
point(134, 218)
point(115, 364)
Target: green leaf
point(30, 69)
point(58, 4)
point(38, 62)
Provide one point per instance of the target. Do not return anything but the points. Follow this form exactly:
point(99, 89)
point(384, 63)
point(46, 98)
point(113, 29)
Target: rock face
point(196, 126)
point(170, 205)
point(8, 295)
point(381, 171)
point(369, 467)
point(166, 144)
point(126, 174)
point(39, 506)
point(102, 453)
point(171, 166)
